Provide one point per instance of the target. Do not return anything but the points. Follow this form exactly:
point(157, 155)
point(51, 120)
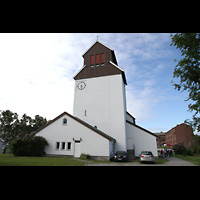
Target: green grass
point(193, 159)
point(11, 160)
point(161, 160)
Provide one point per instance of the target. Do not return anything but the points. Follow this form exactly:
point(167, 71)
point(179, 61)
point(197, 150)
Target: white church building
point(100, 124)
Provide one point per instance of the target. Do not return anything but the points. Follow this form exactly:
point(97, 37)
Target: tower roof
point(99, 43)
point(99, 60)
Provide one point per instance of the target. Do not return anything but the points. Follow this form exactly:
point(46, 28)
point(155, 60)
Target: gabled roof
point(81, 122)
point(142, 128)
point(94, 44)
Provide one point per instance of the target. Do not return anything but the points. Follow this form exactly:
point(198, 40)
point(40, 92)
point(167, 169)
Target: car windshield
point(147, 153)
point(119, 153)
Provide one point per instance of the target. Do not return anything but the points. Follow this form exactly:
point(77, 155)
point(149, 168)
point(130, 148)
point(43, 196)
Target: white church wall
point(142, 140)
point(91, 142)
point(102, 103)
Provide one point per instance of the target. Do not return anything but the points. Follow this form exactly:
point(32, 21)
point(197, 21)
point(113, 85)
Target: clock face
point(81, 85)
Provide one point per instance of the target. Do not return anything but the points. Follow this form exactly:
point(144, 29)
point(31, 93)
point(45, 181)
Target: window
point(64, 121)
point(69, 146)
point(97, 60)
point(102, 58)
point(85, 112)
point(63, 145)
point(57, 145)
point(92, 61)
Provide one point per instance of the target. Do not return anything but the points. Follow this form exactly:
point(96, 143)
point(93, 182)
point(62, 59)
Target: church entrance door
point(77, 149)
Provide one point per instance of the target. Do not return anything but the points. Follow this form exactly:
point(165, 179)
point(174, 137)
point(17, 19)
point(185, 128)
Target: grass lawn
point(11, 160)
point(193, 159)
point(161, 160)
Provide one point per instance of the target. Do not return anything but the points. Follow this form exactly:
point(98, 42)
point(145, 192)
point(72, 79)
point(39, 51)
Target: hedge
point(30, 145)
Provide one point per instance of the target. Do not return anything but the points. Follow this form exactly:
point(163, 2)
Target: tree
point(11, 127)
point(188, 70)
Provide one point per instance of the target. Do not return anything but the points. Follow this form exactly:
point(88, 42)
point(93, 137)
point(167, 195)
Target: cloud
point(37, 70)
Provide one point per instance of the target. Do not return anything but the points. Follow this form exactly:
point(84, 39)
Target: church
point(100, 124)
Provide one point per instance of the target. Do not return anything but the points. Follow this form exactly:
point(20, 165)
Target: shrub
point(179, 148)
point(187, 152)
point(28, 146)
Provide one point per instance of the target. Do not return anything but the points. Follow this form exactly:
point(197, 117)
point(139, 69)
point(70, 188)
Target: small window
point(64, 121)
point(92, 60)
point(102, 58)
point(69, 146)
point(63, 145)
point(57, 145)
point(85, 112)
point(97, 59)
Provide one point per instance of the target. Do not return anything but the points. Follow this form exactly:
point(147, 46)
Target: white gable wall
point(142, 140)
point(102, 103)
point(91, 142)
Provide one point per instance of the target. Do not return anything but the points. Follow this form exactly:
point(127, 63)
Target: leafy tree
point(25, 125)
point(9, 126)
point(196, 144)
point(12, 127)
point(179, 148)
point(188, 70)
point(38, 122)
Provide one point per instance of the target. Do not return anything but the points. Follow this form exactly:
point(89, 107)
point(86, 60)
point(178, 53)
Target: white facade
point(74, 139)
point(100, 124)
point(102, 103)
point(140, 139)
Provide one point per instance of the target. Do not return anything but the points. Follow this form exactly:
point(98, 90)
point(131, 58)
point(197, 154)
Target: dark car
point(120, 156)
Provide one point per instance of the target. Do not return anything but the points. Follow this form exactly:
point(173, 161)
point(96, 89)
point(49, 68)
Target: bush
point(179, 148)
point(28, 146)
point(187, 152)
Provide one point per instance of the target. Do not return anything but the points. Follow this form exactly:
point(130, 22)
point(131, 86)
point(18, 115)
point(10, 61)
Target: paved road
point(172, 162)
point(178, 162)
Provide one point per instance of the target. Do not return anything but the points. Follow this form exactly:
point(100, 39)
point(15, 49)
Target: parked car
point(147, 156)
point(120, 156)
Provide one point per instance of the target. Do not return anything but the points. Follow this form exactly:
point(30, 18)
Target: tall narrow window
point(57, 145)
point(92, 60)
point(68, 145)
point(102, 59)
point(97, 60)
point(63, 145)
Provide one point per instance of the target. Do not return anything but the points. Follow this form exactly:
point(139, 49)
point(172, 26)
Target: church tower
point(99, 93)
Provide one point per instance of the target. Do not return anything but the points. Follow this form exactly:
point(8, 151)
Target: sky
point(36, 71)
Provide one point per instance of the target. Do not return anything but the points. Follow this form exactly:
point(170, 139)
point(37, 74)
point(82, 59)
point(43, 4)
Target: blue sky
point(37, 70)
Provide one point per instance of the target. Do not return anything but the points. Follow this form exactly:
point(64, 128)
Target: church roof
point(149, 132)
point(80, 121)
point(94, 44)
point(108, 65)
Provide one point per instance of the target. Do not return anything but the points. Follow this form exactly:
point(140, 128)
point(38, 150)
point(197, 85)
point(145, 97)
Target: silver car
point(147, 156)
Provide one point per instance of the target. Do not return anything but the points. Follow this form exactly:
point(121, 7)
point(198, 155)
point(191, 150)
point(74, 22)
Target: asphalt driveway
point(173, 161)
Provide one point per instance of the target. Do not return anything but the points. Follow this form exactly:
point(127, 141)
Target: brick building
point(182, 133)
point(160, 138)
